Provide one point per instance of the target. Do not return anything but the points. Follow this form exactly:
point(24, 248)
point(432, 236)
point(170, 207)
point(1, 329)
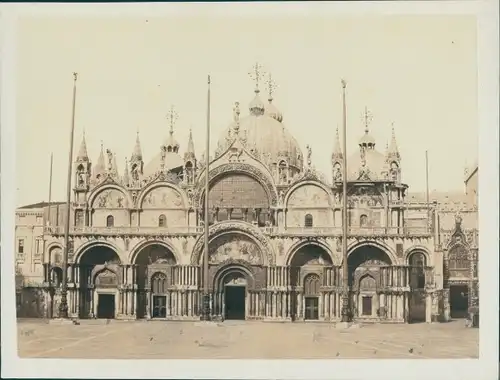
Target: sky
point(418, 72)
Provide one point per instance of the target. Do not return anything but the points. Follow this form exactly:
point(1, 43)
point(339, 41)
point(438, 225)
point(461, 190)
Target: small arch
point(56, 275)
point(417, 262)
point(135, 252)
point(308, 221)
point(80, 253)
point(371, 243)
point(162, 221)
point(363, 220)
point(367, 282)
point(420, 248)
point(110, 221)
point(231, 270)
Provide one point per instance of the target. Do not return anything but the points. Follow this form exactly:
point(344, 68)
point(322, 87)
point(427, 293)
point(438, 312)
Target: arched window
point(458, 258)
point(311, 285)
point(363, 220)
point(417, 264)
point(162, 221)
point(308, 221)
point(110, 221)
point(189, 172)
point(159, 283)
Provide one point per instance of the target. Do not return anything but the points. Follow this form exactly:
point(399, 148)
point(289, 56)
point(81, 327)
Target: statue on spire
point(309, 154)
point(256, 75)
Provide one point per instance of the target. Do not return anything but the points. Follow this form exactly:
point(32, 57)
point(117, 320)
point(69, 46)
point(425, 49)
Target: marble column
point(428, 308)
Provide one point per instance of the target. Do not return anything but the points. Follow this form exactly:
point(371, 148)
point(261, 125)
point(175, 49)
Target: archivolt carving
point(235, 227)
point(238, 167)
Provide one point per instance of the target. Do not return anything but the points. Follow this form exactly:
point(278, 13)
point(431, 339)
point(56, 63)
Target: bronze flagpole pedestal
point(205, 314)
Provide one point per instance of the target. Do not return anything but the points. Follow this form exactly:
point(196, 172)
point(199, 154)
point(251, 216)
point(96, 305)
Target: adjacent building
point(275, 233)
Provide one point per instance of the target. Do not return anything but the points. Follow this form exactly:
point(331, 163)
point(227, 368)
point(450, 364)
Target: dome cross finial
point(271, 86)
point(172, 117)
point(367, 119)
point(256, 75)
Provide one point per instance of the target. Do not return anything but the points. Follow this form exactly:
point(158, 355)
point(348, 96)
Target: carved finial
point(75, 76)
point(271, 86)
point(367, 118)
point(309, 154)
point(344, 83)
point(236, 114)
point(256, 75)
point(172, 117)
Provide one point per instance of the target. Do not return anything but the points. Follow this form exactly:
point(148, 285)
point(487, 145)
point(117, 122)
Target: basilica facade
point(275, 233)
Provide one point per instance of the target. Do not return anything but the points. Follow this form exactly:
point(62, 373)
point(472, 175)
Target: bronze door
point(312, 308)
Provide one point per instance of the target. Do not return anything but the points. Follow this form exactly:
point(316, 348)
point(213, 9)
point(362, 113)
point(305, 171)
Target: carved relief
point(106, 278)
point(233, 247)
point(111, 198)
point(162, 197)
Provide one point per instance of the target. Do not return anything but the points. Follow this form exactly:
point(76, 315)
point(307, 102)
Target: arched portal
point(365, 265)
point(306, 271)
point(231, 284)
point(151, 254)
point(98, 268)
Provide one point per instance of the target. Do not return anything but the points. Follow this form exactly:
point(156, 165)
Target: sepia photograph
point(249, 181)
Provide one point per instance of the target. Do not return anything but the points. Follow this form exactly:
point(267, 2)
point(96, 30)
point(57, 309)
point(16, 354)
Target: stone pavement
point(244, 340)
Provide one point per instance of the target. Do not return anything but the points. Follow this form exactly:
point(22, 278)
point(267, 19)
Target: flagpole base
point(205, 313)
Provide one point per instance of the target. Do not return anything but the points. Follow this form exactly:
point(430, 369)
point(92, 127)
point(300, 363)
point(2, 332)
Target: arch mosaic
point(353, 247)
point(294, 249)
point(134, 252)
point(315, 193)
point(162, 195)
point(241, 168)
point(110, 196)
point(235, 228)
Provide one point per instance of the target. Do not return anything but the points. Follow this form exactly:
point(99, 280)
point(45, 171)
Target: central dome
point(266, 137)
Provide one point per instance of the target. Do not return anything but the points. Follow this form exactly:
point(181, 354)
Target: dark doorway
point(106, 306)
point(417, 306)
point(159, 307)
point(367, 306)
point(312, 309)
point(235, 302)
point(459, 301)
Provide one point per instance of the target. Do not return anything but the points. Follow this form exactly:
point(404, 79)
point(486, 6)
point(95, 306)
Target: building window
point(311, 285)
point(20, 246)
point(162, 221)
point(159, 283)
point(363, 220)
point(38, 246)
point(459, 258)
point(110, 221)
point(308, 221)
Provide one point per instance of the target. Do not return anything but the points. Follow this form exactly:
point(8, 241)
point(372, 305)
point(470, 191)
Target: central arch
point(144, 255)
point(98, 267)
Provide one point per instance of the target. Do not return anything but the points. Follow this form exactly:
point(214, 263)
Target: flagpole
point(206, 296)
point(49, 266)
point(427, 188)
point(63, 306)
point(345, 311)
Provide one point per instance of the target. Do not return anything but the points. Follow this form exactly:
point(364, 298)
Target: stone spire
point(126, 177)
point(82, 152)
point(171, 143)
point(114, 168)
point(189, 155)
point(337, 150)
point(137, 153)
point(100, 168)
point(392, 149)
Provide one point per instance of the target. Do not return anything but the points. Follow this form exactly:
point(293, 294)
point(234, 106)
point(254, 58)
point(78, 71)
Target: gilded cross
point(256, 74)
point(172, 117)
point(271, 85)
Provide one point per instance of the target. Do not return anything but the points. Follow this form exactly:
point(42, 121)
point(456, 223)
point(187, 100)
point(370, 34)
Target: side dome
point(368, 164)
point(265, 136)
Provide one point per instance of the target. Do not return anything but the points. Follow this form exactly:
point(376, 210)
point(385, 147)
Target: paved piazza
point(243, 340)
